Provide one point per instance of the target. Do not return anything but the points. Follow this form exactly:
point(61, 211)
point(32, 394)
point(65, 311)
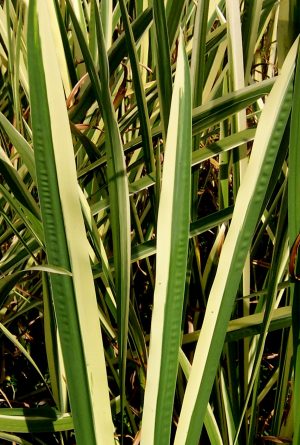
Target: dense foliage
point(149, 232)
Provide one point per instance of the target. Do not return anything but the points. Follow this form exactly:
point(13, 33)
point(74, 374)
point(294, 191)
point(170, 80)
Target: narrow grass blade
point(106, 17)
point(174, 11)
point(117, 185)
point(16, 184)
point(17, 255)
point(246, 213)
point(172, 250)
point(236, 62)
point(250, 325)
point(139, 92)
point(67, 50)
point(148, 248)
point(34, 420)
point(197, 81)
point(288, 27)
point(198, 52)
point(14, 33)
point(21, 348)
point(284, 375)
point(204, 153)
point(33, 223)
point(279, 260)
point(4, 34)
point(250, 24)
point(117, 51)
point(9, 281)
point(223, 145)
point(294, 230)
point(210, 422)
point(60, 48)
point(13, 438)
point(239, 155)
point(218, 109)
point(164, 75)
point(78, 9)
point(139, 26)
point(227, 407)
point(120, 208)
point(57, 373)
point(21, 145)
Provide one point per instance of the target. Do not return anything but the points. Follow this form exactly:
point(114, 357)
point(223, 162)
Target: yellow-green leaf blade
point(172, 249)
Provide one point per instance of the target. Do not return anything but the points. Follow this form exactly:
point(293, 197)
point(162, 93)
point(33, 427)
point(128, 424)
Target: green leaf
point(294, 230)
point(21, 145)
point(164, 75)
point(66, 243)
point(117, 186)
point(16, 185)
point(120, 209)
point(172, 251)
point(8, 282)
point(34, 420)
point(209, 420)
point(139, 92)
point(250, 24)
point(13, 438)
point(174, 11)
point(250, 325)
point(246, 213)
point(21, 348)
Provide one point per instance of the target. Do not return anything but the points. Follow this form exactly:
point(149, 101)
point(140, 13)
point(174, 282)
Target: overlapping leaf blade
point(66, 243)
point(172, 249)
point(237, 243)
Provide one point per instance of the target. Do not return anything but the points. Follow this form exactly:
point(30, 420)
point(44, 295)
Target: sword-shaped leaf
point(246, 215)
point(172, 251)
point(66, 243)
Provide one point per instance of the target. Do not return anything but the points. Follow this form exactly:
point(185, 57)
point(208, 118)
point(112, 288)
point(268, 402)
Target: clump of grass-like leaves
point(149, 156)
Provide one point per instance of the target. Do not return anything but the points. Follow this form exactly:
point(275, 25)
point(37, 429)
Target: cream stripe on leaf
point(172, 250)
